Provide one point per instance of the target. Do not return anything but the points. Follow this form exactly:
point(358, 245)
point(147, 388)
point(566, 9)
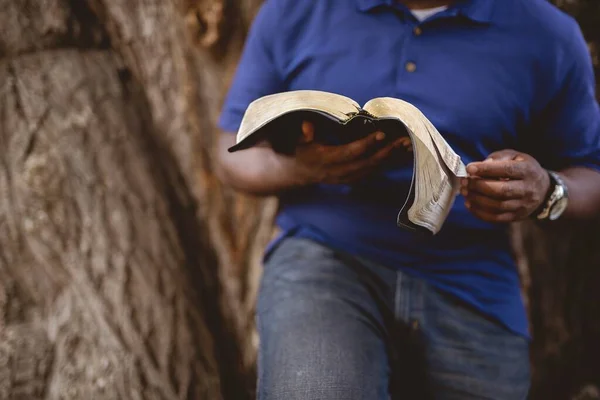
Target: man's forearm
point(258, 170)
point(584, 193)
point(261, 171)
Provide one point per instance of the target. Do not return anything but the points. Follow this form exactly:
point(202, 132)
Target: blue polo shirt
point(489, 74)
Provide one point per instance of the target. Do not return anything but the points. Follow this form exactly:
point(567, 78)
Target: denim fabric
point(333, 326)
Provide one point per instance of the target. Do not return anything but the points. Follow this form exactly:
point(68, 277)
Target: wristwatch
point(556, 201)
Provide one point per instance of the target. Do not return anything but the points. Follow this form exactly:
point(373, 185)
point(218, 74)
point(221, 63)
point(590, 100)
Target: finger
point(405, 143)
point(341, 171)
point(491, 217)
point(352, 151)
point(308, 132)
point(500, 190)
point(503, 155)
point(499, 169)
point(494, 206)
point(356, 170)
point(353, 177)
point(359, 169)
point(377, 158)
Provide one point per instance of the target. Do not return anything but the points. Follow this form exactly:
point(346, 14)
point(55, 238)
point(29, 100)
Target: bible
point(338, 120)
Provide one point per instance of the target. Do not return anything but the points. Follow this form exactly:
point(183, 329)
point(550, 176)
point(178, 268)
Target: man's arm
point(263, 172)
point(565, 127)
point(510, 186)
point(584, 192)
point(258, 170)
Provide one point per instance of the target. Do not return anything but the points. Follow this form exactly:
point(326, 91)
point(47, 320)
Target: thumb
point(503, 155)
point(308, 132)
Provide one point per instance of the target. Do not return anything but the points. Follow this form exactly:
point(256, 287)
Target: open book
point(437, 167)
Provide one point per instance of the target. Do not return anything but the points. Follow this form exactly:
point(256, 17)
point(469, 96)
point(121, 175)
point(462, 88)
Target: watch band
point(556, 192)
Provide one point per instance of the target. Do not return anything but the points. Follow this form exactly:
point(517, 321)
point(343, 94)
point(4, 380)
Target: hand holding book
point(340, 164)
point(508, 186)
point(347, 147)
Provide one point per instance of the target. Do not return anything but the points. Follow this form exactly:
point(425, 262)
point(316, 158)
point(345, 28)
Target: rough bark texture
point(562, 290)
point(92, 252)
point(109, 266)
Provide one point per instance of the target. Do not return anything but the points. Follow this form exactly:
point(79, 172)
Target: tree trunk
point(561, 282)
point(112, 233)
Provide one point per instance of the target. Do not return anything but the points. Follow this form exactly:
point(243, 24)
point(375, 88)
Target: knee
point(311, 381)
point(305, 354)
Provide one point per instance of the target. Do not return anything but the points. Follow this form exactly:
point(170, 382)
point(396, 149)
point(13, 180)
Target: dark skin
point(424, 4)
point(508, 186)
point(261, 171)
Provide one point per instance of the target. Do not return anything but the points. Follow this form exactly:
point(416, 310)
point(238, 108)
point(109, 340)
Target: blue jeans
point(333, 326)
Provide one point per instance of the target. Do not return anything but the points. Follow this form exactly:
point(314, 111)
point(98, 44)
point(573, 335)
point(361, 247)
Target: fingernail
point(464, 192)
point(471, 169)
point(380, 136)
point(464, 182)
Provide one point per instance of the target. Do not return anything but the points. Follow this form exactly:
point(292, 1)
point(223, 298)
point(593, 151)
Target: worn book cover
point(341, 120)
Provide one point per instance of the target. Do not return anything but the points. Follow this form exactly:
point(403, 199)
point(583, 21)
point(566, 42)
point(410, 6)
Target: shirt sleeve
point(257, 74)
point(570, 123)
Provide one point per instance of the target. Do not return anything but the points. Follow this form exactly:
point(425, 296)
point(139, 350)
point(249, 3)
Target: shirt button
point(411, 66)
point(418, 31)
point(415, 324)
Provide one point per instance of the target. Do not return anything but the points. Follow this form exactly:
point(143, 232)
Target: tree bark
point(561, 277)
point(110, 277)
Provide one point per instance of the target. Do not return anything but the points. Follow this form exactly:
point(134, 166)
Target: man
point(350, 305)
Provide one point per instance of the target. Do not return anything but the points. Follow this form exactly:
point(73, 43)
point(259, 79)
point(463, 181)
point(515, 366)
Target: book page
point(437, 166)
point(266, 109)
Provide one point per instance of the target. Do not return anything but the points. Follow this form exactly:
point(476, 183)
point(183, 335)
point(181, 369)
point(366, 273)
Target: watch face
point(558, 208)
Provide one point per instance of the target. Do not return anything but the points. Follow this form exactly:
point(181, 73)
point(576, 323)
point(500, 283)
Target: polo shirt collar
point(368, 5)
point(476, 10)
